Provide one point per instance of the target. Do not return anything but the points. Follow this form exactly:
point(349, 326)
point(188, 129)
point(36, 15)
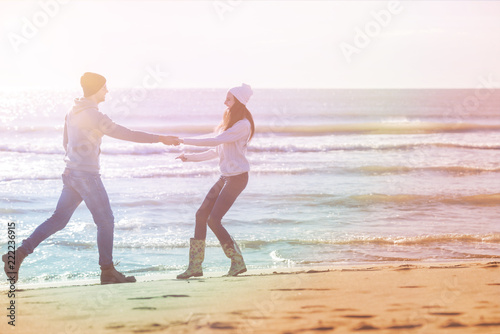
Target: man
point(83, 130)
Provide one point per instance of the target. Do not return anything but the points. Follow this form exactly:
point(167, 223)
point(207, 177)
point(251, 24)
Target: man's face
point(101, 94)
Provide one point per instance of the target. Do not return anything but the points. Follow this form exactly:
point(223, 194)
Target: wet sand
point(403, 298)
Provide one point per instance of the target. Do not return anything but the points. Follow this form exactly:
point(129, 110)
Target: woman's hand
point(182, 157)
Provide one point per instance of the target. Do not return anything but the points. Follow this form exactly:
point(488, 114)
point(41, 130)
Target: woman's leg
point(197, 244)
point(233, 187)
point(200, 232)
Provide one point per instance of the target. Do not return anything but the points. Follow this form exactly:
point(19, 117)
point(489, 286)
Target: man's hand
point(170, 140)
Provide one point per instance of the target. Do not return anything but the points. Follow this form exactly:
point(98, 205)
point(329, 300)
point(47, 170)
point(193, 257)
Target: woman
point(234, 133)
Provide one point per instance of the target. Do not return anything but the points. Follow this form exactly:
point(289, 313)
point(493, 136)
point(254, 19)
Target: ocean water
point(338, 177)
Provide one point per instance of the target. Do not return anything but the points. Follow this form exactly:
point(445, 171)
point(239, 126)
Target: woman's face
point(229, 100)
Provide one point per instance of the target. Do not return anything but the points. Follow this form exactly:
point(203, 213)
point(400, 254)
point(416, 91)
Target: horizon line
point(10, 89)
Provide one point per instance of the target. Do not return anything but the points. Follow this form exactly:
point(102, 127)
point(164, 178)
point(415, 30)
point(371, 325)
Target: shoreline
point(251, 272)
point(456, 297)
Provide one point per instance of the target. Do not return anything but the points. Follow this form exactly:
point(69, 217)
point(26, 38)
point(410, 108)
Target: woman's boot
point(196, 257)
point(233, 252)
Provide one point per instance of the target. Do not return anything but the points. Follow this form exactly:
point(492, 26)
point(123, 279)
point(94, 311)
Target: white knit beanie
point(242, 93)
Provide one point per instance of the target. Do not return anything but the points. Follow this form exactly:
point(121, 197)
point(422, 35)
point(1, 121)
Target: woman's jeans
point(80, 186)
point(216, 204)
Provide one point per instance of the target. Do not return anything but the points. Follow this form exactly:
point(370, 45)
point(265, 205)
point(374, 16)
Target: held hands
point(170, 140)
point(173, 140)
point(182, 157)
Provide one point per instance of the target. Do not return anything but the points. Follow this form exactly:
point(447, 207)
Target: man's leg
point(94, 195)
point(66, 206)
point(96, 198)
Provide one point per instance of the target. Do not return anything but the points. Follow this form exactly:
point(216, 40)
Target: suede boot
point(11, 266)
point(110, 275)
point(196, 257)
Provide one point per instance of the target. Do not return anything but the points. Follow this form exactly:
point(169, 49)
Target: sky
point(268, 44)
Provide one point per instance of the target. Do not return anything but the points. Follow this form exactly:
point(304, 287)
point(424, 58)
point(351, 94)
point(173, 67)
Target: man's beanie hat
point(91, 83)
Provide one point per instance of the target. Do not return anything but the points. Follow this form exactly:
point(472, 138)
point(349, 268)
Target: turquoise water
point(338, 177)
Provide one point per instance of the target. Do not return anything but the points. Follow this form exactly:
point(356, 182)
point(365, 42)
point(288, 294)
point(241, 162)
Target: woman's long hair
point(234, 114)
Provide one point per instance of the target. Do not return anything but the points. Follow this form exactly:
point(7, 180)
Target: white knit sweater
point(230, 147)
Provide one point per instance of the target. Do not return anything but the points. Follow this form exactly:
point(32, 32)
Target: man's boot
point(12, 263)
point(110, 275)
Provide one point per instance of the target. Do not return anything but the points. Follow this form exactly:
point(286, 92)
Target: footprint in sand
point(409, 326)
point(362, 269)
point(221, 325)
point(174, 296)
point(365, 327)
point(405, 267)
point(492, 265)
point(164, 296)
point(150, 328)
point(326, 328)
point(446, 313)
point(358, 316)
point(485, 304)
point(488, 324)
point(301, 289)
point(457, 266)
point(313, 306)
point(453, 324)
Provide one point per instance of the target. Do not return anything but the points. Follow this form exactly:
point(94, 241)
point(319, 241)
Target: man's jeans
point(80, 186)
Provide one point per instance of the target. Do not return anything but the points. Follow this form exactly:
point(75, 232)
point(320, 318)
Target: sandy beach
point(405, 298)
point(358, 144)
